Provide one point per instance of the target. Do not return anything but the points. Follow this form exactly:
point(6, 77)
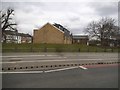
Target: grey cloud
point(105, 8)
point(72, 15)
point(78, 30)
point(22, 5)
point(6, 5)
point(74, 19)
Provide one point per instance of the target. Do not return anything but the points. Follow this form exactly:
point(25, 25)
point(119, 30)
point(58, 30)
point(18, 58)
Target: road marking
point(23, 72)
point(52, 55)
point(83, 67)
point(60, 69)
point(53, 60)
point(50, 60)
point(55, 70)
point(23, 56)
point(28, 55)
point(36, 58)
point(16, 58)
point(6, 62)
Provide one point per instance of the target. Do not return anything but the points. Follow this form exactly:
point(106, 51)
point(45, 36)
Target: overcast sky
point(73, 15)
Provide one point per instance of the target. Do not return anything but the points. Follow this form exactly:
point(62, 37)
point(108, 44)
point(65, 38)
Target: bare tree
point(102, 30)
point(7, 20)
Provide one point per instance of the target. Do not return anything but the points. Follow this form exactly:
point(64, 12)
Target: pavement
point(87, 76)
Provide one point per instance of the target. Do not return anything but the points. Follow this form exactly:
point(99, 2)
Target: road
point(60, 70)
point(15, 61)
point(95, 76)
point(57, 56)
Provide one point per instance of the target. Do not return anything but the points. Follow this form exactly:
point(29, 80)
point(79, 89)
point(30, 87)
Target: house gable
point(52, 26)
point(51, 34)
point(48, 34)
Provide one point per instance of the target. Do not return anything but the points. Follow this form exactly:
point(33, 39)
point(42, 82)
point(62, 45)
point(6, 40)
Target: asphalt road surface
point(17, 60)
point(95, 76)
point(6, 57)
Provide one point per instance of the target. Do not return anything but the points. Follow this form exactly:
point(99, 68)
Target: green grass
point(10, 47)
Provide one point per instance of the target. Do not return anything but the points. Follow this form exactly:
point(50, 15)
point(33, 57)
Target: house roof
point(80, 36)
point(60, 28)
point(117, 37)
point(57, 28)
point(50, 25)
point(24, 35)
point(63, 29)
point(9, 32)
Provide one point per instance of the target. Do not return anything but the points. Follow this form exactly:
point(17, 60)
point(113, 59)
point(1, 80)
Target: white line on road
point(48, 60)
point(28, 55)
point(27, 72)
point(23, 56)
point(23, 72)
point(53, 60)
point(6, 62)
point(52, 55)
point(83, 67)
point(32, 58)
point(60, 69)
point(16, 58)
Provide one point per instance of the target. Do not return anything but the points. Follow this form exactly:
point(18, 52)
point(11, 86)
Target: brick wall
point(48, 34)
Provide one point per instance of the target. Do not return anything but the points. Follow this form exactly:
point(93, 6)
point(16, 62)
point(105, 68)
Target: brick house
point(15, 37)
point(9, 36)
point(52, 34)
point(25, 38)
point(80, 39)
point(114, 40)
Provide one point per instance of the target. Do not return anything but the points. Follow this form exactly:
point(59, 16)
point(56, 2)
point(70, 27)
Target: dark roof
point(24, 35)
point(116, 37)
point(66, 31)
point(9, 32)
point(80, 36)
